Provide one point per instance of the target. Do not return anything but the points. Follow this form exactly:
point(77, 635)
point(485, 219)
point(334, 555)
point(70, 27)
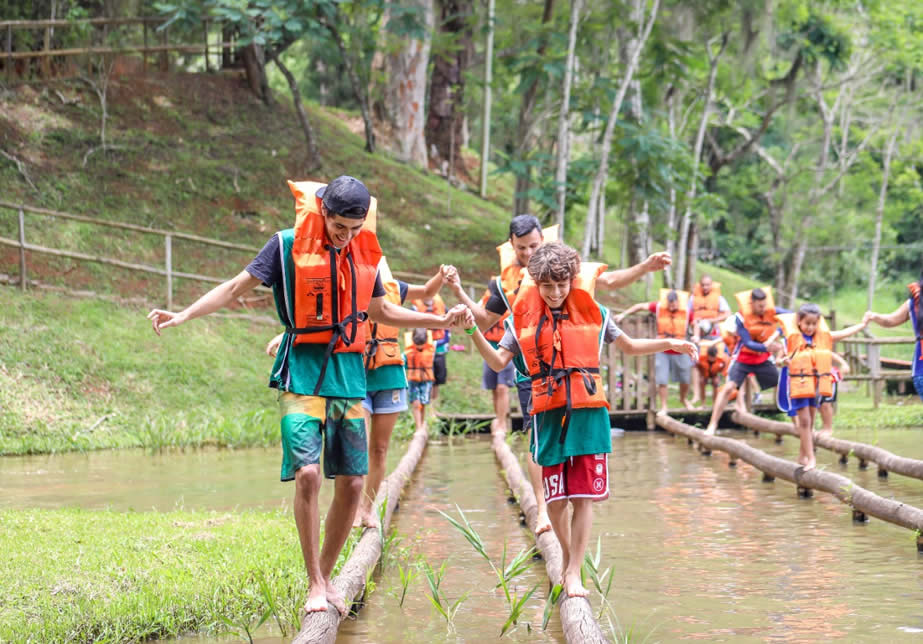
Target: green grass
point(67, 363)
point(85, 576)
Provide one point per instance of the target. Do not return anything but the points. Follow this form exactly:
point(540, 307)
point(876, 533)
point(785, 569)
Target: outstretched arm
point(901, 315)
point(484, 318)
point(496, 359)
point(625, 276)
point(848, 331)
point(634, 308)
point(217, 298)
point(428, 290)
point(383, 311)
point(641, 347)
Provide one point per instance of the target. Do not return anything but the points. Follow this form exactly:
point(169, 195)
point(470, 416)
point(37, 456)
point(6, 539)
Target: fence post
point(46, 61)
point(168, 247)
point(22, 251)
point(164, 54)
point(207, 64)
point(874, 354)
point(9, 54)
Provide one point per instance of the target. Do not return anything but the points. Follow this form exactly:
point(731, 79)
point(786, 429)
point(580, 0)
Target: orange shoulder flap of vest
point(496, 332)
point(795, 339)
point(510, 271)
point(715, 288)
point(437, 307)
point(408, 339)
point(682, 299)
point(745, 307)
point(582, 292)
point(382, 348)
point(307, 202)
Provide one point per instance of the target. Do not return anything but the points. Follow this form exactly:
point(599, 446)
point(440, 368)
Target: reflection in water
point(699, 550)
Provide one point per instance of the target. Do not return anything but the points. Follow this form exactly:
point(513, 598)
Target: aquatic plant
point(590, 569)
point(440, 602)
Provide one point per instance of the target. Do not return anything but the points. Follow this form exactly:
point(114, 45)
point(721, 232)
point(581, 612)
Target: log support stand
point(805, 492)
point(858, 516)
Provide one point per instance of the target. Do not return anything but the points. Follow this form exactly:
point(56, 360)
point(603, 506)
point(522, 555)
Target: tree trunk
point(360, 89)
point(253, 58)
point(312, 159)
point(602, 174)
point(560, 175)
point(683, 245)
point(692, 251)
point(525, 135)
point(488, 88)
point(401, 63)
point(447, 88)
point(879, 214)
point(671, 211)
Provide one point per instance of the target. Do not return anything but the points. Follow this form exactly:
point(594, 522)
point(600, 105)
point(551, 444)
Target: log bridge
point(863, 502)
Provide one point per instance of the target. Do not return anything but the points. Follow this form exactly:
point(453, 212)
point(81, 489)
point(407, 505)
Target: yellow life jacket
point(672, 324)
point(810, 367)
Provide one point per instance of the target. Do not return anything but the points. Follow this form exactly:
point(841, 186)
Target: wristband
point(470, 331)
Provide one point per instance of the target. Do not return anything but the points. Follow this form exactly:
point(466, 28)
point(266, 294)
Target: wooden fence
point(865, 364)
point(150, 28)
point(168, 270)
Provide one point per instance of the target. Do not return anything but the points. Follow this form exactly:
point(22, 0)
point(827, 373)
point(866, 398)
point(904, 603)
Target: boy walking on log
point(526, 236)
point(556, 334)
point(419, 360)
point(323, 273)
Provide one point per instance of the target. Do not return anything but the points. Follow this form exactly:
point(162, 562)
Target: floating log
point(845, 490)
point(576, 613)
point(886, 461)
point(322, 627)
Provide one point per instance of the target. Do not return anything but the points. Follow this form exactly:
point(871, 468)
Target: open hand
point(687, 348)
point(273, 347)
point(657, 261)
point(618, 318)
point(161, 319)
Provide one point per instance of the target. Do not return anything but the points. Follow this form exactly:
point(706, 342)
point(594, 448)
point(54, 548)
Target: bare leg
point(714, 389)
point(542, 523)
point(557, 512)
point(417, 414)
point(382, 425)
point(346, 493)
point(501, 396)
point(307, 520)
point(826, 415)
point(662, 393)
point(683, 392)
point(806, 450)
point(434, 396)
point(698, 386)
point(720, 402)
point(580, 526)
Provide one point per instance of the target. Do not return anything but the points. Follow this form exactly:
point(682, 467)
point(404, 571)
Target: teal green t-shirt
point(298, 373)
point(589, 432)
point(390, 376)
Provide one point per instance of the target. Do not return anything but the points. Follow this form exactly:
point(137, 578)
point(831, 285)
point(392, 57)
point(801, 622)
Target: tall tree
point(563, 155)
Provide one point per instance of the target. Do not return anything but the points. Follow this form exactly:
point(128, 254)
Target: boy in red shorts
point(556, 337)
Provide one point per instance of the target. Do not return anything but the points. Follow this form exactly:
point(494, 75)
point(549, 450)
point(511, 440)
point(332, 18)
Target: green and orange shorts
point(314, 424)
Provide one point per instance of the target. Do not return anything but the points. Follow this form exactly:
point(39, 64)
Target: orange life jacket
point(511, 272)
point(672, 324)
point(494, 333)
point(436, 307)
point(728, 330)
point(706, 307)
point(760, 327)
point(333, 289)
point(914, 288)
point(712, 367)
point(561, 348)
point(382, 347)
point(420, 358)
point(810, 367)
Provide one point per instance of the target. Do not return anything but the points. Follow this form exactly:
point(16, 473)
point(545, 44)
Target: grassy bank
point(108, 576)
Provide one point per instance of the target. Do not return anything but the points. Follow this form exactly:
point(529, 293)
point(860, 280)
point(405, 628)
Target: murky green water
point(700, 551)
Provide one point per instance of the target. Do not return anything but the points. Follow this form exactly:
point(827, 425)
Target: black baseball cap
point(346, 196)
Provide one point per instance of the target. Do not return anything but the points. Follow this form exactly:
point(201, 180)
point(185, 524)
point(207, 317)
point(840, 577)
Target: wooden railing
point(865, 363)
point(150, 27)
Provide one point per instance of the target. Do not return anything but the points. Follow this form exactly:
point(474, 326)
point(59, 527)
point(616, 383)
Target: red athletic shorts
point(579, 477)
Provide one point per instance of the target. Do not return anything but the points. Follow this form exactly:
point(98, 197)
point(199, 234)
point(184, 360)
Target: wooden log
point(576, 613)
point(886, 461)
point(906, 516)
point(322, 627)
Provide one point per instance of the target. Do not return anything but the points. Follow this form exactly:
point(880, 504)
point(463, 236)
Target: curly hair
point(554, 262)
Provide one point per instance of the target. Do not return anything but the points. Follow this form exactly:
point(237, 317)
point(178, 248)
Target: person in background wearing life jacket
point(419, 358)
point(499, 383)
point(757, 332)
point(386, 384)
point(709, 310)
point(556, 333)
point(809, 357)
point(713, 363)
point(673, 317)
point(441, 337)
point(323, 273)
point(911, 309)
point(526, 236)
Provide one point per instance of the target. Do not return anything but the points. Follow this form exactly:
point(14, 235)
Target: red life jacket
point(706, 307)
point(672, 324)
point(333, 289)
point(420, 358)
point(436, 307)
point(561, 348)
point(760, 327)
point(382, 348)
point(810, 367)
point(494, 333)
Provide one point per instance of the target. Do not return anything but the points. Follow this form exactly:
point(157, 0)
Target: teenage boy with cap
point(323, 273)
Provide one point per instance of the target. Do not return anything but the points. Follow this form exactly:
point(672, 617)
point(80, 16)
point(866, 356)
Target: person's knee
point(307, 479)
point(378, 451)
point(352, 485)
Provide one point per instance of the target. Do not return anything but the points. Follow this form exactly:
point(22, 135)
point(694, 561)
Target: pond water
point(699, 550)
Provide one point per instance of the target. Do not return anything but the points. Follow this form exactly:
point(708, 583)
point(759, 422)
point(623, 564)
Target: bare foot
point(317, 599)
point(365, 518)
point(663, 411)
point(688, 405)
point(542, 524)
point(335, 597)
point(710, 430)
point(573, 587)
point(825, 432)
